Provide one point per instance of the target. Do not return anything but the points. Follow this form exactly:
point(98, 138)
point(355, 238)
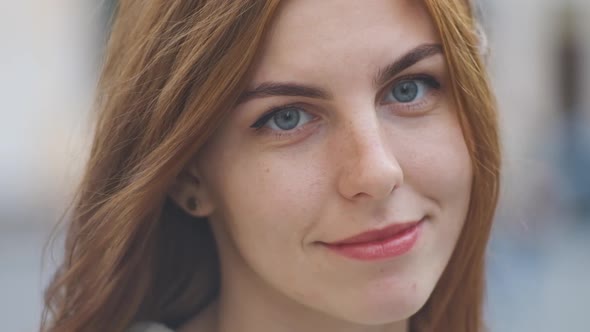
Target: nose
point(369, 167)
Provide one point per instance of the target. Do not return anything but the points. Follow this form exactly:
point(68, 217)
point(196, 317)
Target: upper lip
point(377, 234)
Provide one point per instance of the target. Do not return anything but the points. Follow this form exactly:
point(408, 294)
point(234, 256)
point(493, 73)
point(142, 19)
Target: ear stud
point(191, 203)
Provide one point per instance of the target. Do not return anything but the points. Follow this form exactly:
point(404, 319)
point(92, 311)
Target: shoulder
point(148, 327)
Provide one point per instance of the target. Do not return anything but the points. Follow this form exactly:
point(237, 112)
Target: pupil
point(287, 119)
point(406, 92)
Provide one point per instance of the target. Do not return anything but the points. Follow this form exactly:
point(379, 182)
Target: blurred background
point(538, 264)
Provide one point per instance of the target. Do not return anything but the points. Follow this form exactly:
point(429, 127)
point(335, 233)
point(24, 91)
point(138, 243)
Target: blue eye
point(410, 90)
point(284, 119)
point(406, 92)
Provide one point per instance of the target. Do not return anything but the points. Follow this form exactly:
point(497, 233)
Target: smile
point(388, 242)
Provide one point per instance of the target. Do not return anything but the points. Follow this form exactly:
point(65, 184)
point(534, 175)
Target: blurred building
point(48, 64)
point(540, 65)
point(527, 64)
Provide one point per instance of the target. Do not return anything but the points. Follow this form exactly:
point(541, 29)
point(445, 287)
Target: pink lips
point(388, 242)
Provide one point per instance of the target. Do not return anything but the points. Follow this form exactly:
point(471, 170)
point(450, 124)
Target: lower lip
point(393, 246)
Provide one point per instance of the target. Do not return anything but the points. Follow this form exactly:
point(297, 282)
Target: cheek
point(261, 196)
point(441, 171)
point(437, 164)
point(270, 189)
point(267, 206)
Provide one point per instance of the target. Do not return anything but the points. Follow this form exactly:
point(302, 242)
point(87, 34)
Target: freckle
point(267, 170)
point(414, 286)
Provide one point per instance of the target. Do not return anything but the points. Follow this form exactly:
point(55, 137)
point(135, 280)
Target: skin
point(358, 160)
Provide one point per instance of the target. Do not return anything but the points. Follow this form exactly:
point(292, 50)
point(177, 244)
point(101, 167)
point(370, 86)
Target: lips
point(376, 235)
point(392, 241)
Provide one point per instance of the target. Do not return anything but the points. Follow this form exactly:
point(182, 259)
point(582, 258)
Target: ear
point(190, 194)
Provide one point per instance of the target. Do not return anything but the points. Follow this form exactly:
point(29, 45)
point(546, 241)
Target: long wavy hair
point(173, 69)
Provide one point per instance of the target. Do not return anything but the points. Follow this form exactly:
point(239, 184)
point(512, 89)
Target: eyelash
point(428, 80)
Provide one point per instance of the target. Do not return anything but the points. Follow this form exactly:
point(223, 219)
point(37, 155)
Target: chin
point(392, 311)
point(384, 308)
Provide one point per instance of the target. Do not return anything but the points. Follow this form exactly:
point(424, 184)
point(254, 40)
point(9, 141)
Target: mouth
point(392, 241)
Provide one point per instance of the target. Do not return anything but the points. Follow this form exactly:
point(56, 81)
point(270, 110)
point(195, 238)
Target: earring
point(191, 203)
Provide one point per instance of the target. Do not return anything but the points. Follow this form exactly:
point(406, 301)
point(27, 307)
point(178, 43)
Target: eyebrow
point(406, 61)
point(271, 89)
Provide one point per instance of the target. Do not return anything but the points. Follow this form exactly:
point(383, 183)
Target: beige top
point(149, 327)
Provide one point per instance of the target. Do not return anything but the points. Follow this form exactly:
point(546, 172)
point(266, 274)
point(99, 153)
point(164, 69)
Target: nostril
point(374, 181)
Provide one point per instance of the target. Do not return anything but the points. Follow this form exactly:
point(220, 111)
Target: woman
point(295, 166)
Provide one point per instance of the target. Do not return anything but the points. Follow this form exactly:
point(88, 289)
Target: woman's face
point(348, 126)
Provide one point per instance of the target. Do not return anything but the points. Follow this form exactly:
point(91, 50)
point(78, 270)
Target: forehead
point(309, 36)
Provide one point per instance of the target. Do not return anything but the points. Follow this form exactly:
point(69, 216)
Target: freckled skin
point(360, 164)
